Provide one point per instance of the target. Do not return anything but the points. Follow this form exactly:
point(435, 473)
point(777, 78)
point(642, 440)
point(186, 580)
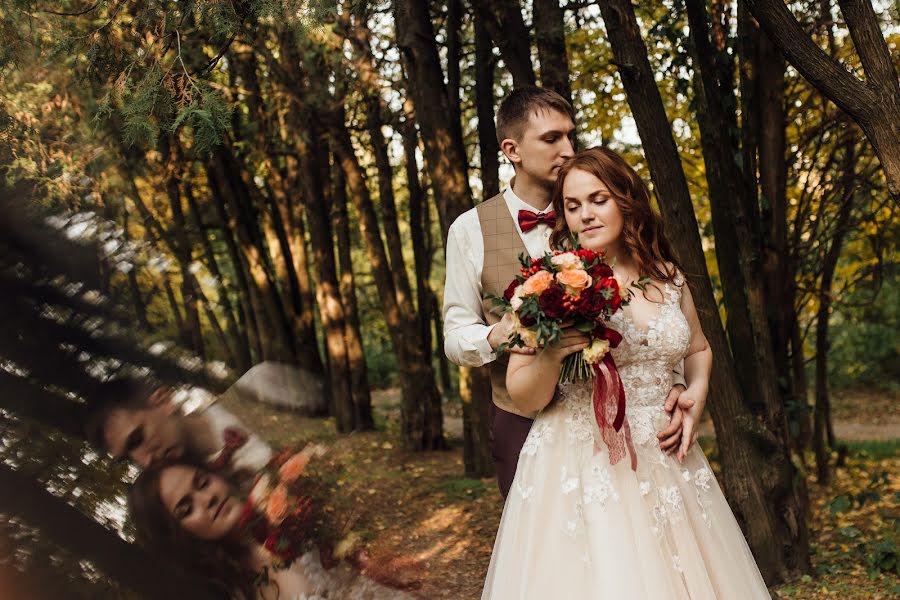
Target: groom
point(535, 129)
point(130, 418)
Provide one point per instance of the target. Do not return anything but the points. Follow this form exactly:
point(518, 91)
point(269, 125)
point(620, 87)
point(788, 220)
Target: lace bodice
point(645, 360)
point(646, 357)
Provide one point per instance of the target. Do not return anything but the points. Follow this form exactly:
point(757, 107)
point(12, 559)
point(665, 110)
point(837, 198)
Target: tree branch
point(820, 69)
point(870, 44)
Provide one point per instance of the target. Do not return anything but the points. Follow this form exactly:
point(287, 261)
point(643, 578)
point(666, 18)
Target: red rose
point(510, 290)
point(527, 321)
point(600, 270)
point(551, 302)
point(590, 304)
point(615, 300)
point(260, 530)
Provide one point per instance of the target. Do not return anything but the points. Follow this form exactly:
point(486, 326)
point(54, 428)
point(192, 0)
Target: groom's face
point(147, 433)
point(545, 144)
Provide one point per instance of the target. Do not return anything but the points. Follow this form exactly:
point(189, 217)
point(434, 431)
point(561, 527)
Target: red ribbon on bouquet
point(609, 402)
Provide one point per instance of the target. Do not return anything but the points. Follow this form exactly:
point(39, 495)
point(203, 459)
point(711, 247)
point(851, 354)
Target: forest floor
point(414, 521)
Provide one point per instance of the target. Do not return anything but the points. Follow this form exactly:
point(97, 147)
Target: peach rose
point(537, 283)
point(566, 261)
point(294, 466)
point(259, 495)
point(574, 280)
point(276, 507)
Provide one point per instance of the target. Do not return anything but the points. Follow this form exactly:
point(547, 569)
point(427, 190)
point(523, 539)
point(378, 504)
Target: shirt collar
point(516, 204)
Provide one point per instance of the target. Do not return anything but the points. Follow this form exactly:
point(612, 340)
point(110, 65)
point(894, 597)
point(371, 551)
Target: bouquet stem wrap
point(609, 404)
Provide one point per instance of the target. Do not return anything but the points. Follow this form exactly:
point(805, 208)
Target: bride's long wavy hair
point(224, 564)
point(643, 235)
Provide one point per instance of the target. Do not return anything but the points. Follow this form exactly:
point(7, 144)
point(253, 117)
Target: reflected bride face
point(591, 211)
point(199, 501)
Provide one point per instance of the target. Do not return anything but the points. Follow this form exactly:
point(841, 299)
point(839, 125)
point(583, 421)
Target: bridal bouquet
point(573, 288)
point(279, 513)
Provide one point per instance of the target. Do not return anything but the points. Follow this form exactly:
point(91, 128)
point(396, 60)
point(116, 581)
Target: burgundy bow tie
point(234, 439)
point(529, 220)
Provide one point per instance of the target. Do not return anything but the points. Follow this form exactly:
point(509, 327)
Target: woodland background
point(190, 188)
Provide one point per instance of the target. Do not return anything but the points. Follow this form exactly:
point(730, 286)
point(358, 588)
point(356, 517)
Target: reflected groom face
point(145, 433)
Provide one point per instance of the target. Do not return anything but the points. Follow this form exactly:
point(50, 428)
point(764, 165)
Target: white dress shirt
point(252, 456)
point(465, 328)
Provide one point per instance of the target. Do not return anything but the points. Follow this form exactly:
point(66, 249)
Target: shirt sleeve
point(465, 329)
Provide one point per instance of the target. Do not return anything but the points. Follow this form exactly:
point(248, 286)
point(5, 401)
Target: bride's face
point(591, 212)
point(199, 501)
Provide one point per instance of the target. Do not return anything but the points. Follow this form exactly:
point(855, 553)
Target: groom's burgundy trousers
point(508, 433)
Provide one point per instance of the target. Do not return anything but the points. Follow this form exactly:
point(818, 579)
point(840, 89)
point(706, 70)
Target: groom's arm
point(465, 331)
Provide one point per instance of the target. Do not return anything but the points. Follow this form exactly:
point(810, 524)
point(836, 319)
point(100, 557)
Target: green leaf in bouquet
point(641, 283)
point(531, 307)
point(499, 301)
point(585, 326)
point(548, 262)
point(525, 260)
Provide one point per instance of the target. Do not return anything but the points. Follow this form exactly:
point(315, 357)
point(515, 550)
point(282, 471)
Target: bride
point(192, 517)
point(582, 519)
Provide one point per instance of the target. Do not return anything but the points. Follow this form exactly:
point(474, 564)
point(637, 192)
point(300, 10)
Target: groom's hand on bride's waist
point(670, 437)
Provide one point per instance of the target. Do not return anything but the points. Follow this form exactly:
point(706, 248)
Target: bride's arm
point(698, 359)
point(531, 379)
point(697, 368)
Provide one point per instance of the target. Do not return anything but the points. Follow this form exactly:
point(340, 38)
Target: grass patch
point(875, 449)
point(462, 487)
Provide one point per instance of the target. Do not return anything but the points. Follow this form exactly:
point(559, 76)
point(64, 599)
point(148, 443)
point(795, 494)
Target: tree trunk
point(417, 227)
point(246, 306)
point(421, 419)
point(475, 392)
point(550, 36)
point(240, 341)
point(488, 147)
point(454, 55)
point(504, 23)
point(444, 150)
point(758, 492)
point(821, 438)
point(873, 104)
point(181, 246)
point(83, 537)
point(327, 288)
point(137, 297)
point(288, 255)
point(356, 358)
point(778, 267)
point(277, 333)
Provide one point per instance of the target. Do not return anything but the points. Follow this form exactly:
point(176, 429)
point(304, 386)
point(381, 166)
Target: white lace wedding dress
point(576, 527)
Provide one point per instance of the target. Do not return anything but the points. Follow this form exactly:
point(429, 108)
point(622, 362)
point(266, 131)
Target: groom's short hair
point(521, 103)
point(124, 393)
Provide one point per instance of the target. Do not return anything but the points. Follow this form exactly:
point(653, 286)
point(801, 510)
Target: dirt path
point(414, 522)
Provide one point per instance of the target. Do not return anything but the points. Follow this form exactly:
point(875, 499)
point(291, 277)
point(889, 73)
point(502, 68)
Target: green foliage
point(883, 555)
point(865, 338)
point(206, 119)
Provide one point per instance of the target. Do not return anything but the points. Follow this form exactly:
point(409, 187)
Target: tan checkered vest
point(502, 247)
